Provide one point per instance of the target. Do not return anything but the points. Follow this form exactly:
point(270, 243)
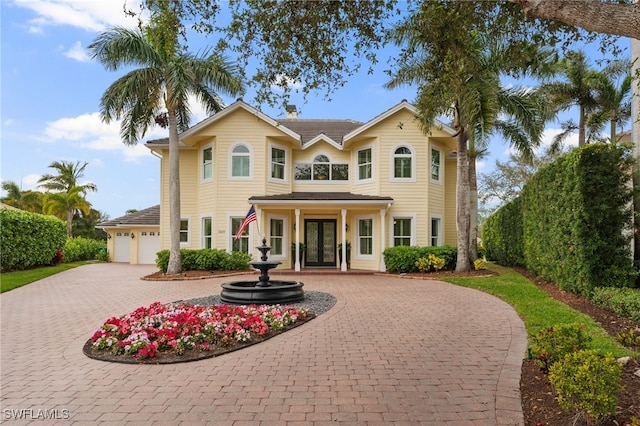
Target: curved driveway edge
point(392, 351)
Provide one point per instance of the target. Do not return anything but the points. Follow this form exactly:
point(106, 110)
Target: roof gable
point(147, 217)
point(404, 105)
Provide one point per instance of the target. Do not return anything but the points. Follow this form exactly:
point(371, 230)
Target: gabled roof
point(147, 217)
point(311, 131)
point(399, 107)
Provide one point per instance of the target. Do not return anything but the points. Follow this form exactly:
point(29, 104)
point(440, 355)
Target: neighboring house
point(374, 185)
point(135, 237)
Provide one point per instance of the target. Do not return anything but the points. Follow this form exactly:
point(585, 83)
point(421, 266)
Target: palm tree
point(157, 91)
point(613, 95)
point(578, 87)
point(65, 189)
point(481, 107)
point(30, 201)
point(65, 204)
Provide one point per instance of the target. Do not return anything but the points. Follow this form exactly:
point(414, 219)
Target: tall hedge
point(576, 221)
point(28, 239)
point(502, 235)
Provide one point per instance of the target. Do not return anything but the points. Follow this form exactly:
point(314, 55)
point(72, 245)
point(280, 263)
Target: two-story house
point(330, 184)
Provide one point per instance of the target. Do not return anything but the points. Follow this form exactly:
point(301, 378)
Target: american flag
point(250, 217)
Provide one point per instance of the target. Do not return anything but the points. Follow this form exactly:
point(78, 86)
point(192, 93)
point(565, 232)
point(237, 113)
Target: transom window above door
point(322, 169)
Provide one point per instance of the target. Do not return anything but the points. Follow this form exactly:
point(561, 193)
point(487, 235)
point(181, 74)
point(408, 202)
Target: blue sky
point(50, 93)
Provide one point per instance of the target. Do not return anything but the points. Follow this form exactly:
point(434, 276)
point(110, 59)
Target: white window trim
point(357, 166)
point(286, 164)
point(439, 217)
point(392, 168)
point(357, 254)
point(440, 168)
point(412, 216)
point(327, 181)
point(230, 161)
point(231, 234)
point(285, 238)
point(202, 218)
point(189, 229)
point(201, 160)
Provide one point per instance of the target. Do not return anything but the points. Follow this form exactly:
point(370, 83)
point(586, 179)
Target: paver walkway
point(391, 351)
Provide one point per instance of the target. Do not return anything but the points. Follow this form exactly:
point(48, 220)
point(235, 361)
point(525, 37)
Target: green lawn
point(11, 280)
point(537, 309)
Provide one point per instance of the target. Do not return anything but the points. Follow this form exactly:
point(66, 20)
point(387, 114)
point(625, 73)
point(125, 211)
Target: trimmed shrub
point(587, 383)
point(431, 263)
point(80, 248)
point(206, 260)
point(28, 240)
point(552, 344)
point(623, 301)
point(503, 235)
point(402, 259)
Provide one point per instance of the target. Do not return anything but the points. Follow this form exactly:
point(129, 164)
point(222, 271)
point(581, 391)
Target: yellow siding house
point(344, 189)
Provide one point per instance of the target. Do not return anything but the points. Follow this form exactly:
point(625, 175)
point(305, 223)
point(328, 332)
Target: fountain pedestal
point(264, 290)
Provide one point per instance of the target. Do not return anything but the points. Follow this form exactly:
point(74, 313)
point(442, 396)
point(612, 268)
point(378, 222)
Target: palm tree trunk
point(473, 209)
point(462, 203)
point(581, 128)
point(69, 222)
point(613, 138)
point(175, 261)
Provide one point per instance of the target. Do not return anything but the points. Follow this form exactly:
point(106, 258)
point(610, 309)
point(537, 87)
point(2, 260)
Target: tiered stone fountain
point(264, 290)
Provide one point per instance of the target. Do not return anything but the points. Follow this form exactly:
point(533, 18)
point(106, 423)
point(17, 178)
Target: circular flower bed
point(178, 332)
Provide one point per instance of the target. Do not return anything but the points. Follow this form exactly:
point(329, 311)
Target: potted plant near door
point(303, 248)
point(348, 254)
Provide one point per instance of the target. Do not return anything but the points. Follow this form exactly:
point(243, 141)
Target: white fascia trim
point(325, 138)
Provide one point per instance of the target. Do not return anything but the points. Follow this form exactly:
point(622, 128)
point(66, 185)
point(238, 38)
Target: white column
point(343, 264)
point(383, 238)
point(297, 226)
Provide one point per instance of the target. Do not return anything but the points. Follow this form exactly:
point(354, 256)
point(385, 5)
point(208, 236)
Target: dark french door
point(320, 238)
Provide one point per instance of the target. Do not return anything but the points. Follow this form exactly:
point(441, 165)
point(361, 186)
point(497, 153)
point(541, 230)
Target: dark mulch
point(538, 400)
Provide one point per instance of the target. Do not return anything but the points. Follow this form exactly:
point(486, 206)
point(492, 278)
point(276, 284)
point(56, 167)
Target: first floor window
point(365, 237)
point(184, 230)
point(207, 235)
point(277, 237)
point(401, 232)
point(435, 231)
point(242, 243)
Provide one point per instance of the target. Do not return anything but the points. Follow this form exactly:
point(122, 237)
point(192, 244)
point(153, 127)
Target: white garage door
point(122, 247)
point(148, 246)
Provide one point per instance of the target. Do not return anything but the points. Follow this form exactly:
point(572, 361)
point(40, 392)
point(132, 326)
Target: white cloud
point(78, 53)
point(550, 133)
point(288, 81)
point(29, 182)
point(93, 16)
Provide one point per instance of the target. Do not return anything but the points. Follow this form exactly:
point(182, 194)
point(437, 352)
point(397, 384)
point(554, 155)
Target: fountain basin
point(250, 292)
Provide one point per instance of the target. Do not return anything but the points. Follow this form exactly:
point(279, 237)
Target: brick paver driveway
point(392, 351)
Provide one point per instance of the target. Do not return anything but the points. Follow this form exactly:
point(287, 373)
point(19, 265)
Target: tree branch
point(591, 15)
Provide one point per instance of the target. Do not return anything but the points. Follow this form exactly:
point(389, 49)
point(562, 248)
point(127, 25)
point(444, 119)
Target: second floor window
point(207, 163)
point(278, 163)
point(322, 170)
point(402, 159)
point(240, 162)
point(435, 164)
point(364, 164)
